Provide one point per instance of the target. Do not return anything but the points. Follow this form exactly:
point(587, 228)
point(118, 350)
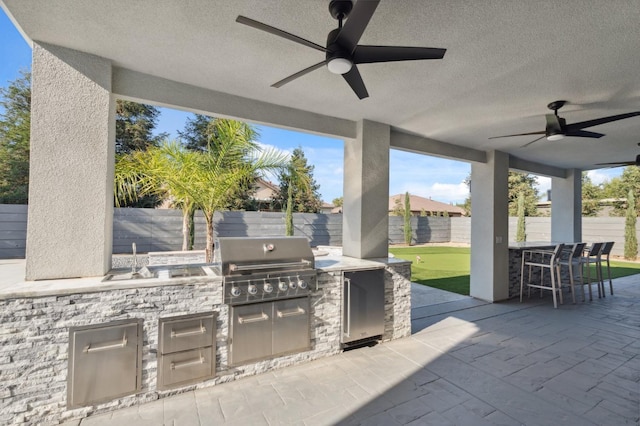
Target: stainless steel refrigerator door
point(363, 305)
point(291, 329)
point(251, 332)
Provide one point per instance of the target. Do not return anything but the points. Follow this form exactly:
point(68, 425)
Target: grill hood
point(246, 255)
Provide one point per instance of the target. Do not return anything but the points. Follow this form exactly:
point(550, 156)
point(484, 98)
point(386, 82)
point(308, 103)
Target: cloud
point(600, 176)
point(443, 192)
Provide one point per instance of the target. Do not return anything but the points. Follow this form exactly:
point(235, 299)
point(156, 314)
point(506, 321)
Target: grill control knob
point(283, 286)
point(292, 284)
point(268, 288)
point(302, 284)
point(235, 291)
point(252, 289)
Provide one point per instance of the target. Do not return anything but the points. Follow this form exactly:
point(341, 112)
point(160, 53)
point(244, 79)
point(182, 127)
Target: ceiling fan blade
point(372, 54)
point(619, 163)
point(603, 120)
point(554, 124)
point(298, 74)
point(519, 134)
point(355, 81)
point(356, 23)
point(275, 31)
point(535, 140)
point(584, 134)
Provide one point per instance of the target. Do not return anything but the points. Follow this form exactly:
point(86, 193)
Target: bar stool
point(606, 251)
point(592, 256)
point(543, 259)
point(574, 260)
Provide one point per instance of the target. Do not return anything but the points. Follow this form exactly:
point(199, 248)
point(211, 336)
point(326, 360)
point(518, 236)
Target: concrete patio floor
point(466, 363)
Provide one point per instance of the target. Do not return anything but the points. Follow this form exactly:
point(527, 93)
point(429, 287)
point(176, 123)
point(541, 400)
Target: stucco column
point(69, 229)
point(365, 228)
point(566, 207)
point(490, 228)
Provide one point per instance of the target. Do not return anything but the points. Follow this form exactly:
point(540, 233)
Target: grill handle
point(262, 266)
point(253, 318)
point(348, 282)
point(188, 363)
point(107, 346)
point(188, 331)
point(291, 312)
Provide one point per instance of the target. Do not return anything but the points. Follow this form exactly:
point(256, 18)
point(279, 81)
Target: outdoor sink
point(164, 272)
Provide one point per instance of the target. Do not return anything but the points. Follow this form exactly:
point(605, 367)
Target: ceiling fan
point(557, 127)
point(342, 50)
point(636, 162)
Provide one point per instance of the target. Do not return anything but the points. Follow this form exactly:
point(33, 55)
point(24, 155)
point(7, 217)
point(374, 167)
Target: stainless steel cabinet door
point(251, 331)
point(104, 362)
point(363, 305)
point(291, 331)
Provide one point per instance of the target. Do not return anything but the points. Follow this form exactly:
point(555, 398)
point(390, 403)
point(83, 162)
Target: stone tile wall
point(34, 335)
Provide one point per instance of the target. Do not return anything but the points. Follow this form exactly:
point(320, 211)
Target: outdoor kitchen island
point(37, 318)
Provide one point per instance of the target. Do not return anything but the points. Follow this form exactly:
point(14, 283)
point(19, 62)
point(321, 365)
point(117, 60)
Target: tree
point(591, 196)
point(134, 127)
point(304, 189)
point(210, 178)
point(337, 202)
point(630, 237)
point(14, 140)
point(200, 131)
point(521, 234)
point(517, 183)
point(398, 208)
point(523, 183)
point(300, 178)
point(407, 219)
point(619, 187)
point(163, 172)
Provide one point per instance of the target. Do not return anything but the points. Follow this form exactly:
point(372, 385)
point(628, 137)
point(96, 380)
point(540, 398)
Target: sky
point(422, 175)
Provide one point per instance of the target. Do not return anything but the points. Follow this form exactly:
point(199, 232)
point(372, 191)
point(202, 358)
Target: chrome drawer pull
point(253, 318)
point(107, 346)
point(187, 363)
point(291, 313)
point(189, 331)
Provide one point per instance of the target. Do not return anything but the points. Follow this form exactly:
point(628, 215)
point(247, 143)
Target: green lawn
point(447, 268)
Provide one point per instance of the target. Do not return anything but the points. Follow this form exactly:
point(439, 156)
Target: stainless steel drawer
point(181, 368)
point(186, 332)
point(105, 362)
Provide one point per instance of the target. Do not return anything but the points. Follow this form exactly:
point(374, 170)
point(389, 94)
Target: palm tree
point(207, 180)
point(162, 171)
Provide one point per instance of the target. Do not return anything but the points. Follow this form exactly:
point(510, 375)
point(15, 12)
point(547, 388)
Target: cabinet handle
point(188, 331)
point(117, 344)
point(253, 318)
point(348, 281)
point(291, 313)
point(188, 363)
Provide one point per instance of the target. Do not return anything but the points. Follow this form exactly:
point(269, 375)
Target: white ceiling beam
point(421, 145)
point(132, 85)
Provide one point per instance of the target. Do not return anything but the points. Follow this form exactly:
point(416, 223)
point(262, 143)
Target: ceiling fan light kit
point(557, 127)
point(342, 50)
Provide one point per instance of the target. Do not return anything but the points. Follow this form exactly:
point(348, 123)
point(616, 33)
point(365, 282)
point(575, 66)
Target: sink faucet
point(134, 264)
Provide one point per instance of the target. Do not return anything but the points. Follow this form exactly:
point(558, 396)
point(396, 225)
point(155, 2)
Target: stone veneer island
point(35, 321)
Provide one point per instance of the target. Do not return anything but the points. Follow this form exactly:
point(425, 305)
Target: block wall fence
point(160, 229)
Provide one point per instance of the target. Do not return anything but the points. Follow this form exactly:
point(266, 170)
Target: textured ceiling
point(505, 61)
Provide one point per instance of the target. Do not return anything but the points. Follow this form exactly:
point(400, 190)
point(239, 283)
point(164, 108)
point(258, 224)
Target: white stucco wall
point(365, 229)
point(490, 228)
point(71, 165)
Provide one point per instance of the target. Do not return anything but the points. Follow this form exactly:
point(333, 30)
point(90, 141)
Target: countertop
point(13, 285)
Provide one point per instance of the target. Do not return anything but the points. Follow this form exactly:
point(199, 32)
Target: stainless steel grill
point(267, 283)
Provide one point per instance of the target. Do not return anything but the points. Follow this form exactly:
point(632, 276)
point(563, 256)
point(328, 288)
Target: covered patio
point(466, 363)
point(503, 65)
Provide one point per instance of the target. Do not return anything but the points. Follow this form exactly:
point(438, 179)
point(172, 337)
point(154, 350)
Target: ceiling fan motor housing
point(338, 59)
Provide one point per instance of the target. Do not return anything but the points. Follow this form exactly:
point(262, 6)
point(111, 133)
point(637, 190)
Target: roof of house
point(420, 203)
